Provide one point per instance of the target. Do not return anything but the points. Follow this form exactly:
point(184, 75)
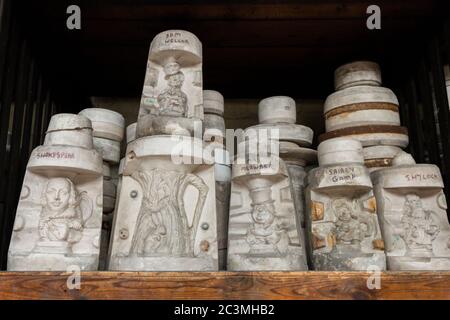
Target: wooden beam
point(227, 10)
point(225, 285)
point(234, 33)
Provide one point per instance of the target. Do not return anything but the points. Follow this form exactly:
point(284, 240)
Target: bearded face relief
point(419, 227)
point(60, 218)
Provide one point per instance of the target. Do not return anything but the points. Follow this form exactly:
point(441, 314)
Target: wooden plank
point(225, 285)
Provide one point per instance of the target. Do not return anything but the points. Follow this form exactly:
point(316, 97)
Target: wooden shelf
point(225, 285)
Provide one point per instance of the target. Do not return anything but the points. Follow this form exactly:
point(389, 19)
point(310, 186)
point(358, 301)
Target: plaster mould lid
point(182, 46)
point(359, 95)
point(109, 149)
point(357, 73)
point(301, 135)
point(131, 132)
point(380, 152)
point(68, 121)
point(278, 109)
point(106, 171)
point(106, 123)
point(213, 102)
point(293, 153)
point(340, 150)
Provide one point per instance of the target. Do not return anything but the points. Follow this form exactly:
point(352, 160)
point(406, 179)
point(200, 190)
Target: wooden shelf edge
point(225, 285)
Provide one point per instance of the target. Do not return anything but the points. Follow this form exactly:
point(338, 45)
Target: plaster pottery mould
point(264, 233)
point(296, 159)
point(109, 149)
point(58, 219)
point(213, 123)
point(70, 130)
point(362, 109)
point(379, 157)
point(342, 225)
point(357, 73)
point(172, 97)
point(131, 132)
point(279, 109)
point(106, 123)
point(214, 126)
point(359, 106)
point(166, 212)
point(412, 210)
point(279, 113)
point(213, 102)
point(222, 173)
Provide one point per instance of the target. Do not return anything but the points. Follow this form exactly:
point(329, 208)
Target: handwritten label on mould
point(260, 168)
point(419, 177)
point(175, 37)
point(342, 174)
point(256, 167)
point(55, 155)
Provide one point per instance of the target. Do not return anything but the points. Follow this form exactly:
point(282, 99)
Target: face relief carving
point(162, 226)
point(61, 218)
point(419, 227)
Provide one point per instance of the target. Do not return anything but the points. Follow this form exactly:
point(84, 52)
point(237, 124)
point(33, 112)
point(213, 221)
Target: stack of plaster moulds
point(294, 141)
point(266, 206)
point(412, 208)
point(108, 131)
point(59, 216)
point(166, 210)
point(364, 110)
point(342, 223)
point(214, 138)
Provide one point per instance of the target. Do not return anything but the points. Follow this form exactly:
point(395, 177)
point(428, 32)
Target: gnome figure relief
point(266, 234)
